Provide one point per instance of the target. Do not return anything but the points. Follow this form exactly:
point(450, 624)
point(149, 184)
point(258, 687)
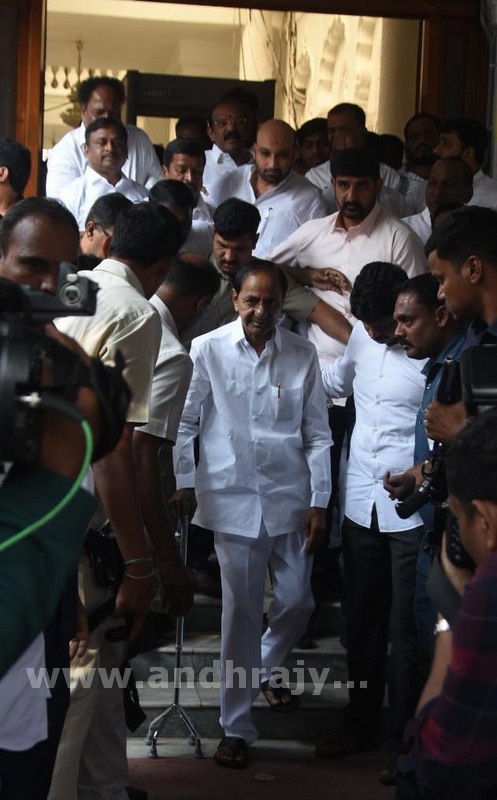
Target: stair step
point(318, 715)
point(205, 616)
point(201, 652)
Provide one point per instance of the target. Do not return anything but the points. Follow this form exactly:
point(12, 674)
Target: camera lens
point(70, 294)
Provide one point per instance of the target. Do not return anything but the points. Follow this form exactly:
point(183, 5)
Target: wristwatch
point(441, 626)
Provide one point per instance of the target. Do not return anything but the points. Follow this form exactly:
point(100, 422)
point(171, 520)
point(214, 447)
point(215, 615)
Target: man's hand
point(316, 523)
point(401, 486)
point(134, 598)
point(180, 499)
point(444, 422)
point(177, 587)
point(457, 576)
point(328, 278)
point(79, 645)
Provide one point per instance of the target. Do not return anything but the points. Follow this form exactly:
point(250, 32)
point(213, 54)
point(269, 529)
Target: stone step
point(319, 713)
point(201, 653)
point(206, 616)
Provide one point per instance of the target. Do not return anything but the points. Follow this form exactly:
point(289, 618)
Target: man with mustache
point(285, 200)
point(449, 186)
point(421, 136)
point(229, 131)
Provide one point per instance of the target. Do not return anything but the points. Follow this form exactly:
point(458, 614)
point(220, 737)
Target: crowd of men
point(281, 304)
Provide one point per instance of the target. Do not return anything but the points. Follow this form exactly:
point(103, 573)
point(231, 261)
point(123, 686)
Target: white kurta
point(80, 194)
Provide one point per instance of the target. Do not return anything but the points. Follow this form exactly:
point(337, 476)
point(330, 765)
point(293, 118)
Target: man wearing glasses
point(229, 130)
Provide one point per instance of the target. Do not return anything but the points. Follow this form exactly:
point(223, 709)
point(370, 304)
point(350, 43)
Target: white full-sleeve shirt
point(264, 438)
point(217, 165)
point(283, 208)
point(320, 176)
point(484, 191)
point(420, 224)
point(388, 387)
point(325, 243)
point(67, 161)
point(80, 194)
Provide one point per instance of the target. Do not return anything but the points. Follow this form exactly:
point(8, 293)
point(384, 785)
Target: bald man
point(285, 200)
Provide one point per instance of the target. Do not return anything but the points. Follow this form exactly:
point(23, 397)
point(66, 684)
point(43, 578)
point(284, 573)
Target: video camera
point(474, 380)
point(38, 373)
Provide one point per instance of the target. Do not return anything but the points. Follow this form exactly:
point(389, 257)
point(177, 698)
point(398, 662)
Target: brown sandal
point(286, 700)
point(232, 752)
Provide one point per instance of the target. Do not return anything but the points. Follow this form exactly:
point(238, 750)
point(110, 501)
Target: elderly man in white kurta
point(262, 484)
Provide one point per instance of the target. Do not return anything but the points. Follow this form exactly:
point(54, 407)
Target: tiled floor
point(277, 770)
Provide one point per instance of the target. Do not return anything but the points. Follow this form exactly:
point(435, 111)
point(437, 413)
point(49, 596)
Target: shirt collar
point(477, 176)
point(80, 134)
point(238, 334)
point(92, 176)
point(219, 155)
point(365, 227)
point(121, 270)
point(165, 314)
point(452, 350)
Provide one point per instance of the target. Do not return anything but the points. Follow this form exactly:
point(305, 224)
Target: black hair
point(469, 230)
point(190, 119)
point(374, 292)
point(256, 265)
point(311, 128)
point(471, 133)
point(87, 87)
point(233, 98)
point(46, 207)
point(242, 97)
point(145, 233)
point(106, 209)
point(235, 217)
point(471, 461)
point(390, 150)
point(172, 191)
point(464, 168)
point(189, 147)
point(359, 162)
point(17, 159)
point(421, 115)
point(102, 123)
point(425, 289)
point(194, 277)
point(350, 108)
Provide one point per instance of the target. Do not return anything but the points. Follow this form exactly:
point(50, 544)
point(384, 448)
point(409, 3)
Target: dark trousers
point(380, 577)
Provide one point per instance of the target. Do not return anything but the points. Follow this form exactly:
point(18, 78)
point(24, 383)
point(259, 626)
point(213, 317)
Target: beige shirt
point(125, 321)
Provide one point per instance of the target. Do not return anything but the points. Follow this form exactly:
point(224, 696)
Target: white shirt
point(412, 188)
point(217, 164)
point(388, 387)
point(264, 444)
point(67, 161)
point(283, 209)
point(484, 191)
point(23, 706)
point(80, 194)
point(201, 238)
point(172, 375)
point(320, 176)
point(203, 211)
point(420, 224)
point(125, 321)
point(325, 243)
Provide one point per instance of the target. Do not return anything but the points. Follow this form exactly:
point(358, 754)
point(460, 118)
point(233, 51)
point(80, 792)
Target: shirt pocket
point(286, 404)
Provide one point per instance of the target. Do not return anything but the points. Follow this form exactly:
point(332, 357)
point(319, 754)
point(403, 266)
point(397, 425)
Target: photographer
point(36, 235)
point(462, 254)
point(454, 733)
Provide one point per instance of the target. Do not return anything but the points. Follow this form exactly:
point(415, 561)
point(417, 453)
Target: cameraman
point(462, 254)
point(455, 730)
point(36, 235)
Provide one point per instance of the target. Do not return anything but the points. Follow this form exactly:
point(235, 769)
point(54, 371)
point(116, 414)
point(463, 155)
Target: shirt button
point(378, 402)
point(375, 455)
point(380, 375)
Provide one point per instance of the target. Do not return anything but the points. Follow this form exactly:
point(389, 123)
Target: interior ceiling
point(123, 40)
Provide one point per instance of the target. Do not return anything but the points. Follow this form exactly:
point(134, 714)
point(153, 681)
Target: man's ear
point(442, 316)
point(379, 184)
point(164, 171)
point(85, 149)
point(234, 298)
point(473, 268)
point(90, 229)
point(4, 174)
point(106, 246)
point(487, 512)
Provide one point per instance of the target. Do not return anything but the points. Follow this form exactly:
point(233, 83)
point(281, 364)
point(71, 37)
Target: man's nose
point(399, 330)
point(49, 283)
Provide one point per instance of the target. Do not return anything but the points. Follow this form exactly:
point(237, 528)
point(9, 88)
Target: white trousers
point(243, 563)
point(91, 759)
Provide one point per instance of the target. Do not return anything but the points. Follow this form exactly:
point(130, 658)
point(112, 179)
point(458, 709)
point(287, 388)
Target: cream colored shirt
point(125, 321)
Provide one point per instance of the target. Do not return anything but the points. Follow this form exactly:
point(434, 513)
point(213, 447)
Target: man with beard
point(421, 137)
point(449, 186)
point(314, 148)
point(229, 130)
point(285, 200)
point(469, 139)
